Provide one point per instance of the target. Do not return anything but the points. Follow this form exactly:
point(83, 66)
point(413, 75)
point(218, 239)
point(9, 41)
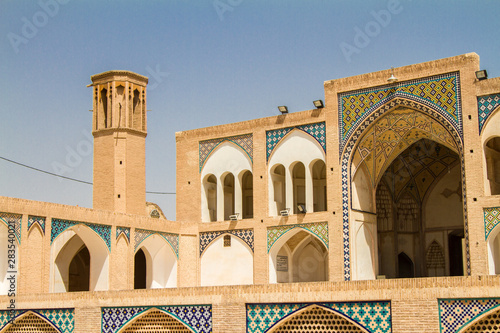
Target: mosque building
point(377, 211)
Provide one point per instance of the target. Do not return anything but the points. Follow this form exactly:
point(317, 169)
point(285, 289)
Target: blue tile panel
point(12, 221)
point(454, 314)
point(62, 319)
point(123, 230)
point(439, 115)
point(172, 239)
point(196, 317)
point(485, 107)
point(491, 220)
point(206, 147)
point(274, 137)
point(32, 220)
point(206, 238)
point(440, 93)
point(319, 229)
point(58, 226)
point(375, 317)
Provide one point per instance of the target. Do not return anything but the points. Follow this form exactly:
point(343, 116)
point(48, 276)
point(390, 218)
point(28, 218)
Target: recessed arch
point(493, 244)
point(155, 320)
point(30, 321)
point(318, 172)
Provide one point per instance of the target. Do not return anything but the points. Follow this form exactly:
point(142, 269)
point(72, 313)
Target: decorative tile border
point(123, 230)
point(40, 220)
point(15, 219)
point(206, 147)
point(491, 220)
point(441, 93)
point(196, 317)
point(317, 131)
point(206, 238)
point(58, 226)
point(142, 234)
point(454, 314)
point(375, 317)
point(319, 229)
point(485, 107)
point(62, 319)
point(345, 171)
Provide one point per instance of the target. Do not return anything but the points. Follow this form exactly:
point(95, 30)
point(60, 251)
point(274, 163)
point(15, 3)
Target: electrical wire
point(68, 178)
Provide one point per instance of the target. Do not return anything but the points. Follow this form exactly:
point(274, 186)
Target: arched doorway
point(140, 270)
point(79, 271)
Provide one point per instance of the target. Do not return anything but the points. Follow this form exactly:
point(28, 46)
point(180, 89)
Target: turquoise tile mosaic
point(454, 314)
point(62, 319)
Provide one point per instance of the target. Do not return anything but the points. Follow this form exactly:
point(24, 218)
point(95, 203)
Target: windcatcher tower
point(119, 129)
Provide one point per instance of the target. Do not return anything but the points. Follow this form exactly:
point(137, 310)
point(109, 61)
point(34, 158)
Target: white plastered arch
point(161, 263)
point(297, 146)
point(226, 158)
point(493, 244)
point(490, 131)
point(61, 256)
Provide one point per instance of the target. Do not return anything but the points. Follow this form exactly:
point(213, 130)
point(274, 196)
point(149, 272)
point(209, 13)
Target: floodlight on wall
point(234, 217)
point(301, 209)
point(285, 212)
point(283, 109)
point(318, 104)
point(392, 78)
point(481, 75)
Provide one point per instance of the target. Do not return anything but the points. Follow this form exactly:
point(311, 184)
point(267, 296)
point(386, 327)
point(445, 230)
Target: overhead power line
point(68, 178)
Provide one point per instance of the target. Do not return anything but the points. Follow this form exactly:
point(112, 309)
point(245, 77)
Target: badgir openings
point(378, 212)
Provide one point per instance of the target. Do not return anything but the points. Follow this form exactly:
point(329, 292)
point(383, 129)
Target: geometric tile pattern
point(441, 93)
point(350, 144)
point(456, 313)
point(206, 147)
point(123, 230)
point(319, 229)
point(196, 317)
point(491, 220)
point(58, 226)
point(62, 319)
point(13, 219)
point(317, 131)
point(375, 317)
point(172, 239)
point(36, 220)
point(206, 238)
point(485, 107)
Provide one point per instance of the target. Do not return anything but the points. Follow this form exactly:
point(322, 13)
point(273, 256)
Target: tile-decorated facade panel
point(197, 317)
point(58, 226)
point(206, 147)
point(454, 314)
point(319, 229)
point(40, 220)
point(206, 238)
point(12, 221)
point(485, 107)
point(274, 137)
point(142, 234)
point(374, 317)
point(62, 319)
point(491, 220)
point(125, 231)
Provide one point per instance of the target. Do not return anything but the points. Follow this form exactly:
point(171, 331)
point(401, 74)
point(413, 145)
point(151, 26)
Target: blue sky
point(209, 62)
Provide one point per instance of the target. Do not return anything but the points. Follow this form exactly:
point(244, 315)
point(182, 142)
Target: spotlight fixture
point(283, 109)
point(285, 212)
point(301, 209)
point(392, 78)
point(481, 75)
point(318, 104)
point(234, 217)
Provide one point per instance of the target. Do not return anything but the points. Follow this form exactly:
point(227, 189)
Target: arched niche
point(246, 180)
point(298, 171)
point(209, 199)
point(228, 182)
point(298, 256)
point(490, 139)
point(66, 246)
point(277, 185)
point(161, 263)
point(318, 171)
point(140, 270)
point(494, 251)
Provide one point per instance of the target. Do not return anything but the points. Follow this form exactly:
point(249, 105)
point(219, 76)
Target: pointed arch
point(161, 262)
point(156, 320)
point(30, 321)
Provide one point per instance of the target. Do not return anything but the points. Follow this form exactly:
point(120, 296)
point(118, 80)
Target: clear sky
point(209, 62)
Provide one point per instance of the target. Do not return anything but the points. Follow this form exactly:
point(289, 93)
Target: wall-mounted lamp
point(481, 75)
point(234, 217)
point(285, 212)
point(318, 104)
point(392, 78)
point(301, 209)
point(283, 109)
